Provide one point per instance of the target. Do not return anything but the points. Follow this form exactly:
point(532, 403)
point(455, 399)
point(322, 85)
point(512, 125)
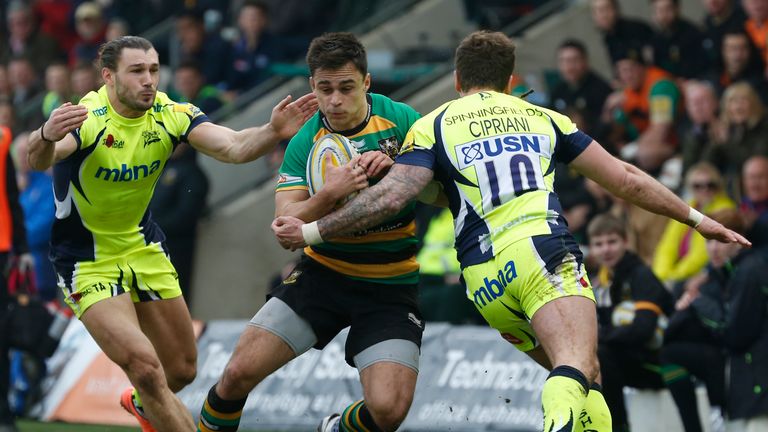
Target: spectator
point(55, 18)
point(631, 302)
point(58, 85)
point(7, 114)
point(701, 106)
point(722, 16)
point(91, 31)
point(740, 62)
point(676, 42)
point(117, 28)
point(177, 205)
point(644, 112)
point(754, 202)
point(209, 50)
point(5, 83)
point(254, 50)
point(13, 242)
point(27, 93)
point(744, 132)
point(36, 200)
point(189, 86)
point(741, 274)
point(25, 40)
point(441, 294)
point(682, 252)
point(619, 34)
point(757, 25)
point(84, 80)
point(580, 87)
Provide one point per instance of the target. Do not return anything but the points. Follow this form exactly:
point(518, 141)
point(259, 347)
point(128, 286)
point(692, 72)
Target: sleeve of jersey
point(419, 146)
point(665, 98)
point(187, 117)
point(293, 170)
point(570, 140)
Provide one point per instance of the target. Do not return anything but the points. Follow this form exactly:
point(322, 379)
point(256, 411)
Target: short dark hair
point(485, 59)
point(110, 52)
point(676, 3)
point(574, 44)
point(605, 224)
point(190, 63)
point(258, 4)
point(334, 50)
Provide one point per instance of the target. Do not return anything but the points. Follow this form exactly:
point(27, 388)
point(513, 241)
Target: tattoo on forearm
point(378, 203)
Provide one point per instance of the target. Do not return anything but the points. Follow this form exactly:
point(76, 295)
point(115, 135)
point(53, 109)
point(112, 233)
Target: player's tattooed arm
point(377, 203)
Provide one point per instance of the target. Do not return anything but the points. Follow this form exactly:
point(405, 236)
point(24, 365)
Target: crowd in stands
point(687, 103)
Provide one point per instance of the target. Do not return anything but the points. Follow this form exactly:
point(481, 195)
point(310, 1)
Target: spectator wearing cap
point(619, 33)
point(91, 31)
point(676, 42)
point(24, 38)
point(644, 111)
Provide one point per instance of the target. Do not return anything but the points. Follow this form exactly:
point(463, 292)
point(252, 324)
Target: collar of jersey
point(355, 130)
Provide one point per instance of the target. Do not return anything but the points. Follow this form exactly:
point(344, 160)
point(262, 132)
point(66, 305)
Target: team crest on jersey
point(150, 137)
point(389, 146)
point(293, 277)
point(110, 142)
point(285, 178)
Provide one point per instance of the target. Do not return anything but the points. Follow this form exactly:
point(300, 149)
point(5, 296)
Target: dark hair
point(190, 63)
point(334, 50)
point(258, 4)
point(110, 52)
point(604, 224)
point(676, 3)
point(485, 59)
point(575, 44)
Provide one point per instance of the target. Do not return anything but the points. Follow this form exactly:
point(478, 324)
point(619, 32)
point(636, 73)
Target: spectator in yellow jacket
point(682, 252)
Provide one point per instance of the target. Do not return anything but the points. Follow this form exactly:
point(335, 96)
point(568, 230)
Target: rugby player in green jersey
point(107, 153)
point(365, 281)
point(494, 156)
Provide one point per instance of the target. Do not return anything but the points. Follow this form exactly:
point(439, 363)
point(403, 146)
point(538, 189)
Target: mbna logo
point(127, 173)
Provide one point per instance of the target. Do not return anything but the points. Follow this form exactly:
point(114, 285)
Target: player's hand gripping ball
point(341, 151)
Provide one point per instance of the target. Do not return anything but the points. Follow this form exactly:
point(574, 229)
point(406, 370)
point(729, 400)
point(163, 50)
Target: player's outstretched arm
point(52, 142)
point(227, 145)
point(370, 207)
point(632, 184)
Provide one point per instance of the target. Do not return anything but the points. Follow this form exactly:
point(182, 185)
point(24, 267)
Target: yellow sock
point(563, 398)
point(595, 417)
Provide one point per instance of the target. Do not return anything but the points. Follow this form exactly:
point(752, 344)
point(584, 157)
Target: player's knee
point(144, 371)
point(238, 379)
point(389, 411)
point(182, 374)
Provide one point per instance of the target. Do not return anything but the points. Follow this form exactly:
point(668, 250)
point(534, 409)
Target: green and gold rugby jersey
point(103, 189)
point(385, 253)
point(495, 155)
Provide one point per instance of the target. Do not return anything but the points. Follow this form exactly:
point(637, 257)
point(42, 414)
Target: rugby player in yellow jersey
point(107, 153)
point(494, 156)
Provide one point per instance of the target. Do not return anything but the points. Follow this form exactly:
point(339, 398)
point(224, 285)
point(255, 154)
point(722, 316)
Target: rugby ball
point(341, 151)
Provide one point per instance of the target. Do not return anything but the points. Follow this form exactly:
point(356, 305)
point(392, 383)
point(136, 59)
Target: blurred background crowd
point(685, 101)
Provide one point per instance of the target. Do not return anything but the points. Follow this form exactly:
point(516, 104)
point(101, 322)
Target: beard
point(131, 101)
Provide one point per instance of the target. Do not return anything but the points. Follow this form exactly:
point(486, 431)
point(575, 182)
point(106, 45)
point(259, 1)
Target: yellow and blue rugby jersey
point(103, 189)
point(385, 253)
point(495, 157)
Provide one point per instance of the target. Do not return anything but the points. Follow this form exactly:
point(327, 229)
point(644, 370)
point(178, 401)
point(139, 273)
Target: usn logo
point(476, 151)
point(494, 288)
point(127, 173)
